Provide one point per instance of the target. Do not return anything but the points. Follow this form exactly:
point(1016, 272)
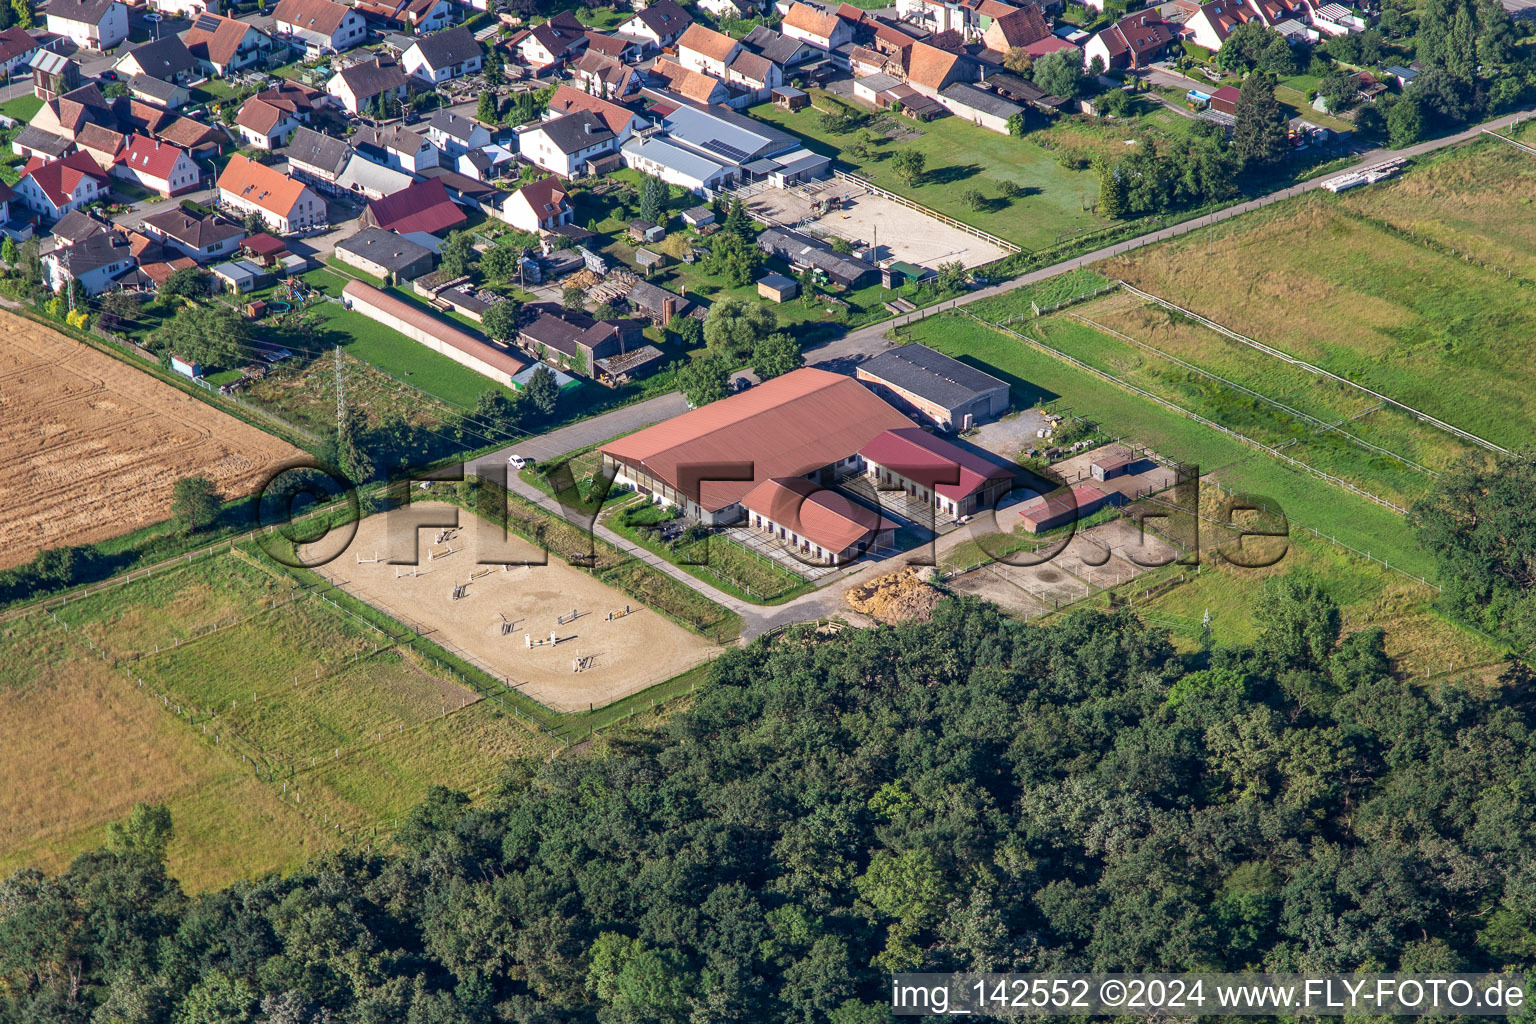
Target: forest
point(971, 793)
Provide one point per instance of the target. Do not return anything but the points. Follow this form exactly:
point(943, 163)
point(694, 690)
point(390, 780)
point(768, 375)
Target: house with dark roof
point(385, 255)
point(319, 26)
point(807, 253)
point(981, 107)
point(396, 146)
point(455, 134)
point(574, 341)
point(424, 206)
point(220, 45)
point(89, 24)
point(451, 53)
point(316, 158)
point(162, 94)
point(538, 206)
point(166, 58)
point(201, 237)
point(75, 226)
point(1134, 41)
point(659, 25)
point(1021, 90)
point(605, 76)
point(948, 393)
point(17, 46)
point(564, 144)
point(781, 49)
point(96, 262)
point(560, 39)
point(362, 85)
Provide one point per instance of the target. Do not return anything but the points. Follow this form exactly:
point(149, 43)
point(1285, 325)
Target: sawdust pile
point(582, 279)
point(895, 597)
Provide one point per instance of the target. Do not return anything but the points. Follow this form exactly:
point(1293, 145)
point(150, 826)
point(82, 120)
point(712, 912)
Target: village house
point(200, 237)
point(89, 24)
point(319, 26)
point(572, 340)
point(162, 94)
point(443, 56)
point(166, 58)
point(821, 29)
point(455, 134)
point(689, 84)
point(284, 204)
point(704, 49)
point(96, 262)
point(266, 120)
point(221, 45)
point(397, 147)
point(538, 206)
point(658, 25)
point(53, 188)
point(1135, 41)
point(318, 159)
point(557, 40)
point(422, 206)
point(609, 77)
point(564, 144)
point(17, 46)
point(158, 166)
point(361, 86)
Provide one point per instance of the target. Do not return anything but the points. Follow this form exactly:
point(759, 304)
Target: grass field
point(1447, 335)
point(1097, 334)
point(961, 156)
point(331, 739)
point(1036, 377)
point(1420, 641)
point(22, 108)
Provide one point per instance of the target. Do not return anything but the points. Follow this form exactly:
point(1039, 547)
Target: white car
point(518, 462)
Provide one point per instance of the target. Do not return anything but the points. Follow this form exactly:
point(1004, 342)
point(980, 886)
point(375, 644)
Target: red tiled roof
point(811, 21)
point(421, 206)
point(321, 16)
point(929, 65)
point(430, 325)
point(712, 44)
point(215, 38)
point(151, 156)
point(932, 461)
point(257, 183)
point(819, 515)
point(567, 100)
point(60, 178)
point(545, 196)
point(785, 427)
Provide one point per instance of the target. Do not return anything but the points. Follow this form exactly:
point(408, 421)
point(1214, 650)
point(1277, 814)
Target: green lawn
point(22, 108)
point(962, 156)
point(1036, 377)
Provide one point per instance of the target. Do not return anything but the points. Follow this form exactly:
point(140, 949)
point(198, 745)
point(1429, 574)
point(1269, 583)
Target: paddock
point(505, 618)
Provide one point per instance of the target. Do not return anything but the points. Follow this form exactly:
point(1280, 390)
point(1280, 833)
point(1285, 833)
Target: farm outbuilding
point(777, 287)
point(945, 391)
point(1111, 465)
point(1048, 513)
point(484, 358)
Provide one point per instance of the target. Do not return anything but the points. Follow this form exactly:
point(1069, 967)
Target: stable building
point(385, 255)
point(808, 423)
point(491, 361)
point(821, 525)
point(955, 481)
point(945, 391)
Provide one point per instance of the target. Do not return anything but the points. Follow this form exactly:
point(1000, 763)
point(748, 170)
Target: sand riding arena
point(553, 631)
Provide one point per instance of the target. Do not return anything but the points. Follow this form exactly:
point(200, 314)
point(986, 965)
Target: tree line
point(967, 794)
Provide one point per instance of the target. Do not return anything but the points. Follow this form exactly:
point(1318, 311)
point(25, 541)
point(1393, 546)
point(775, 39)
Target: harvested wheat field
point(623, 655)
point(93, 447)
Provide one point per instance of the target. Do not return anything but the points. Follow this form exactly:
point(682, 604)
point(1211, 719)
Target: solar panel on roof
point(726, 150)
point(206, 23)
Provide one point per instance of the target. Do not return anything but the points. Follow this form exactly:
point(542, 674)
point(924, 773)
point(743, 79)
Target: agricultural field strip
point(1310, 368)
point(268, 765)
point(1188, 414)
point(1281, 406)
